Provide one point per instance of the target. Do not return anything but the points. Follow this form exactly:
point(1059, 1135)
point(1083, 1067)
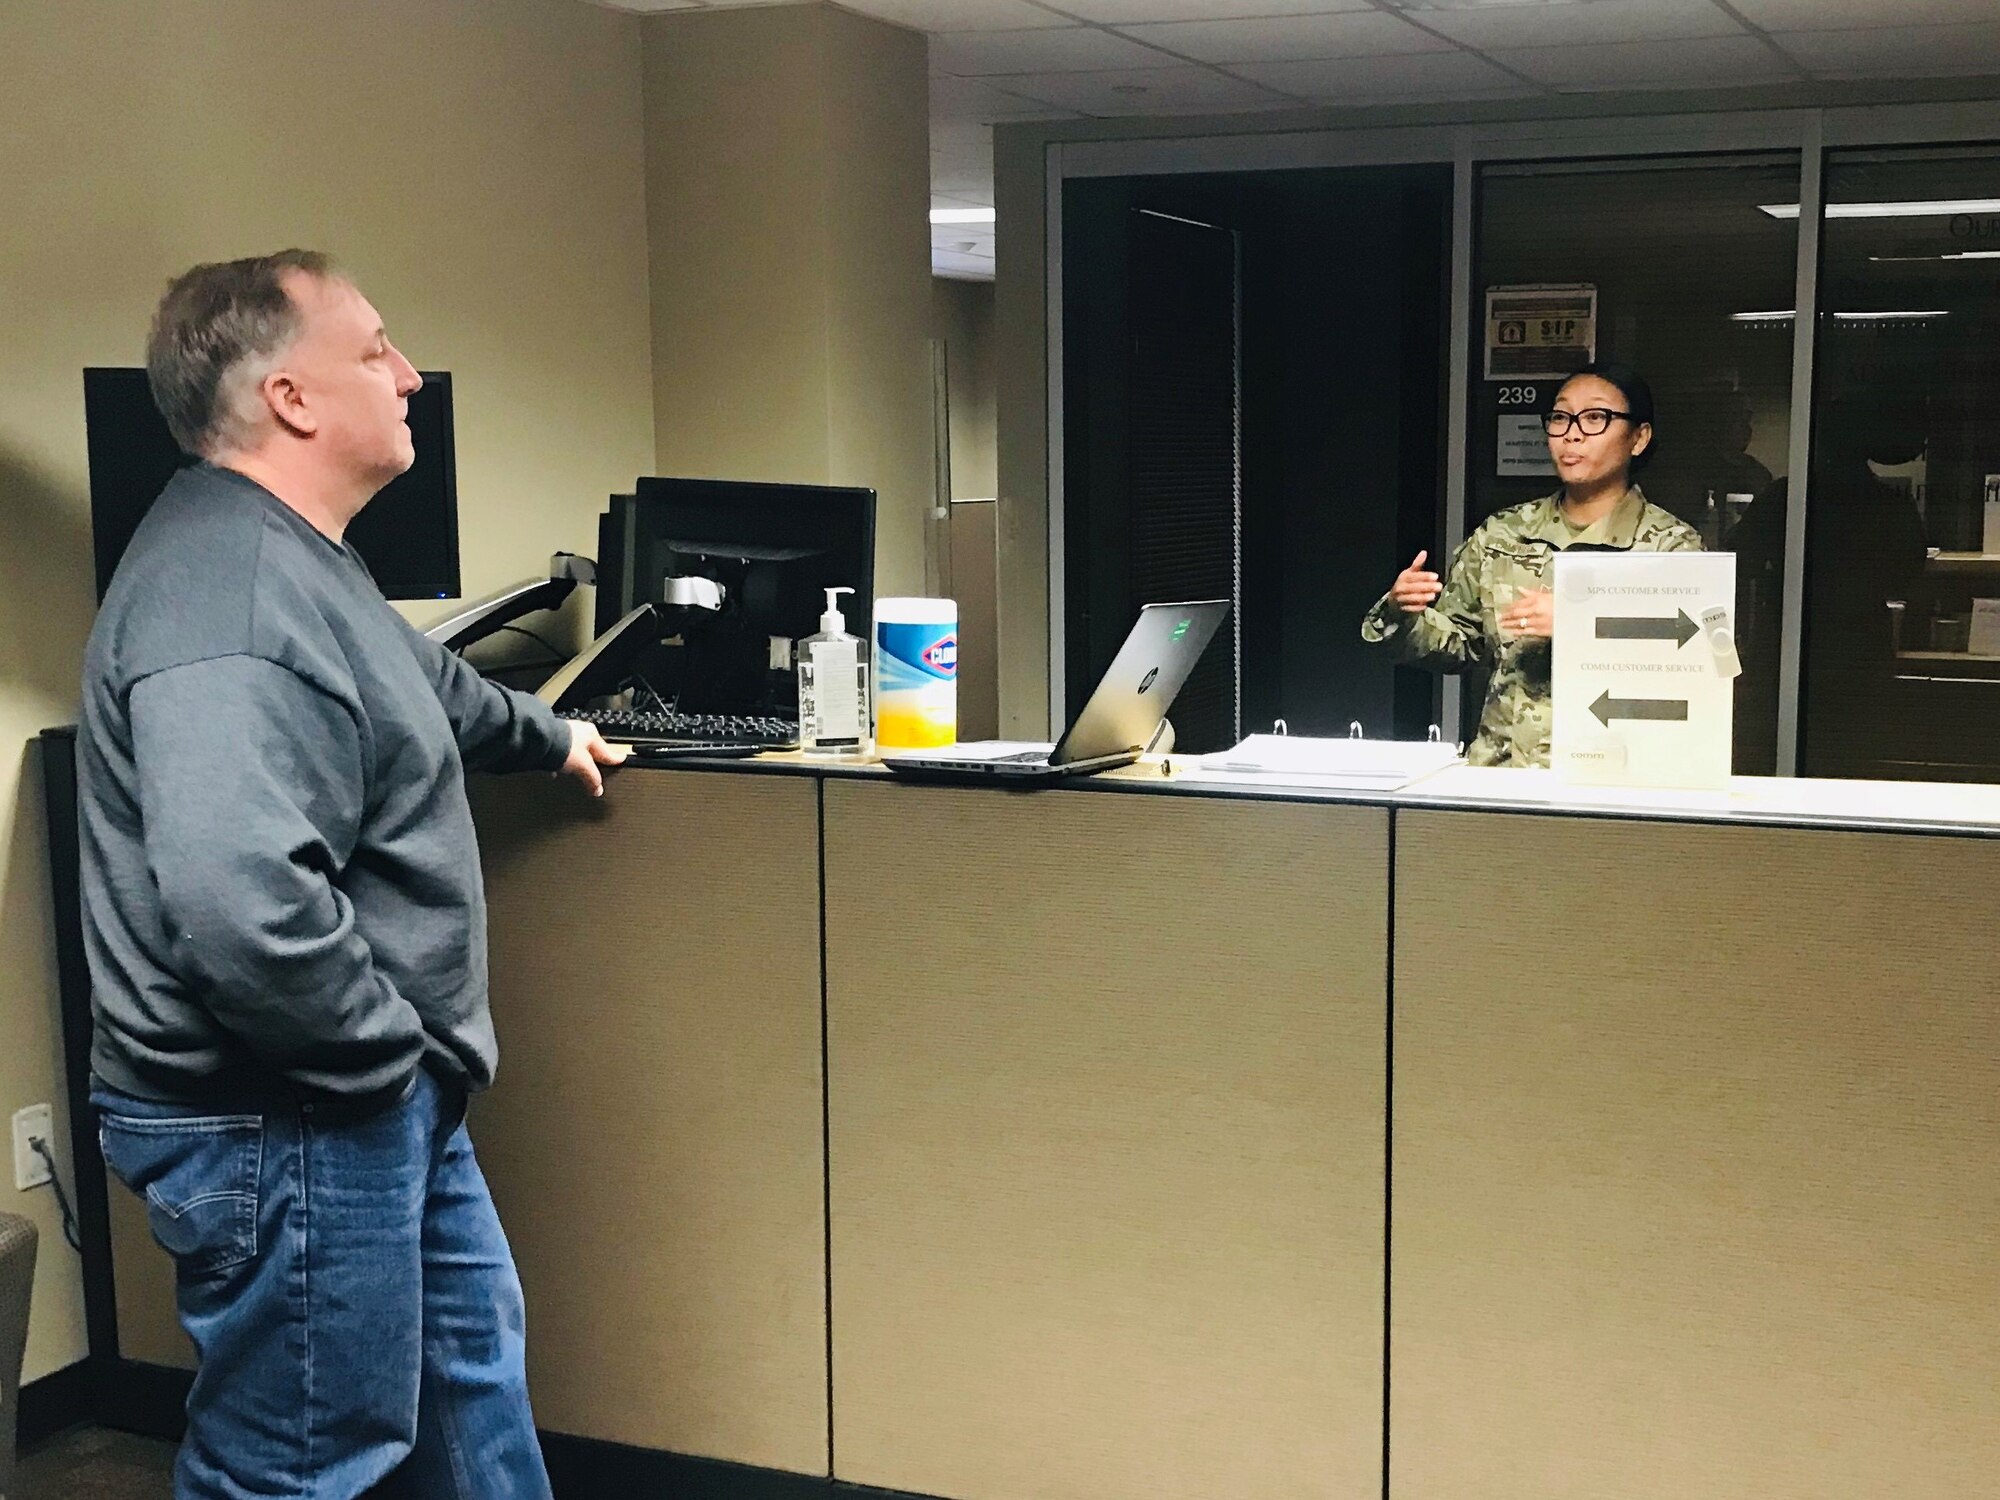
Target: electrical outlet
point(33, 1123)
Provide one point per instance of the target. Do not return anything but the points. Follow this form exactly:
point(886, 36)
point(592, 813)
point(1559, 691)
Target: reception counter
point(1174, 1138)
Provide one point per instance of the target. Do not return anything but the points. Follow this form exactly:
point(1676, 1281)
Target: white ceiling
point(994, 60)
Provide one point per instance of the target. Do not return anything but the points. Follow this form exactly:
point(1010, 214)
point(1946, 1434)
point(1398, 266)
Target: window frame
point(1468, 148)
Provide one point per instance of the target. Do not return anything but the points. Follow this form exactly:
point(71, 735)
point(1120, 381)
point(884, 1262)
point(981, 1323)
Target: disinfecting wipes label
point(919, 651)
point(916, 684)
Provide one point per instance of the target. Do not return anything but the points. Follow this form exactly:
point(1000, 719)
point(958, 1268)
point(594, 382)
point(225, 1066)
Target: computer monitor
point(408, 535)
point(773, 550)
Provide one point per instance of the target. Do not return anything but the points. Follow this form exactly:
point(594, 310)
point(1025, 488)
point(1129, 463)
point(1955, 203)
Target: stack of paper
point(1382, 764)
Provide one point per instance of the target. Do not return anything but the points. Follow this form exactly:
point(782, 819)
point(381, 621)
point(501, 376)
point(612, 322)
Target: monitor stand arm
point(601, 667)
point(482, 617)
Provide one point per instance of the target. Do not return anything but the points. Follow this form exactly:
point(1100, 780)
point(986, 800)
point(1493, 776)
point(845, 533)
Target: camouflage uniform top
point(1460, 631)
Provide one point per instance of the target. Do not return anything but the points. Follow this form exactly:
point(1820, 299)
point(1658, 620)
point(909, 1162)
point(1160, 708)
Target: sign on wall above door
point(1539, 332)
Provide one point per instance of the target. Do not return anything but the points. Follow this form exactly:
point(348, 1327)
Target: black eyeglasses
point(1591, 420)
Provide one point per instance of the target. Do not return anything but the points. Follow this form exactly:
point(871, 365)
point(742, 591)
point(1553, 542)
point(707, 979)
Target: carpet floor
point(90, 1463)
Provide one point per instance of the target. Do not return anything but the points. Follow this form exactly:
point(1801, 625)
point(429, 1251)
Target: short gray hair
point(215, 336)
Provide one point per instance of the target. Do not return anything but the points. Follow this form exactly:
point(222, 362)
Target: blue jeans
point(350, 1295)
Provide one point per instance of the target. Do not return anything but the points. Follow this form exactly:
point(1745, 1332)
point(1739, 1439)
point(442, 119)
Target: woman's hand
point(1415, 590)
point(1533, 614)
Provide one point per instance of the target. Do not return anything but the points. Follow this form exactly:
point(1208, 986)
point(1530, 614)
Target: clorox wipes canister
point(916, 673)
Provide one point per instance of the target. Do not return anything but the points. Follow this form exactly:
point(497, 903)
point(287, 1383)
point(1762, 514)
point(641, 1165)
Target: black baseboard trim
point(55, 1403)
point(587, 1469)
point(150, 1400)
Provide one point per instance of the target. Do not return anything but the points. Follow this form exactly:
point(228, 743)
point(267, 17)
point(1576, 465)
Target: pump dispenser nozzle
point(833, 622)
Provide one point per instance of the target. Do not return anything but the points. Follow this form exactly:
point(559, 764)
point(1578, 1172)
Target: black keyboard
point(638, 727)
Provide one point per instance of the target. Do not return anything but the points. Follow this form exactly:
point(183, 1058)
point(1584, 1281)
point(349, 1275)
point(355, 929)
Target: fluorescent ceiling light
point(1945, 255)
point(1921, 209)
point(1476, 4)
point(961, 216)
point(1785, 315)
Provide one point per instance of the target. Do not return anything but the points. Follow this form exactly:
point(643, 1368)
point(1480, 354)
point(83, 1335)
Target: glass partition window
point(1902, 631)
point(1673, 267)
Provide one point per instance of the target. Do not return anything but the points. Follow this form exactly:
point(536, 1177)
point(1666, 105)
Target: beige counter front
point(1697, 1162)
point(654, 1140)
point(1131, 1141)
point(1106, 1102)
point(1104, 1118)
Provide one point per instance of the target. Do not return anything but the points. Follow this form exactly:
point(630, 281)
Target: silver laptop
point(1124, 712)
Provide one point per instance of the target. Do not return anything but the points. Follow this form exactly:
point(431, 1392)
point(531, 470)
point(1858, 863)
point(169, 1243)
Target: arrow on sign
point(1608, 708)
point(1679, 629)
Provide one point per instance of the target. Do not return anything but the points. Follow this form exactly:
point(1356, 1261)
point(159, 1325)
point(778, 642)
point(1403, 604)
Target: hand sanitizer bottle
point(833, 686)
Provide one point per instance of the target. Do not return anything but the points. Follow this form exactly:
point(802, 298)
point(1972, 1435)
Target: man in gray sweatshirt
point(286, 923)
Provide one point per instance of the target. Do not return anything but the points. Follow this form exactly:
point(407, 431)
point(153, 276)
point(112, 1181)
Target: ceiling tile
point(975, 240)
point(1696, 62)
point(1833, 15)
point(954, 99)
point(1128, 12)
point(1149, 91)
point(1578, 25)
point(961, 134)
point(953, 172)
point(1379, 80)
point(1897, 51)
point(1290, 39)
point(955, 15)
point(1069, 49)
point(962, 146)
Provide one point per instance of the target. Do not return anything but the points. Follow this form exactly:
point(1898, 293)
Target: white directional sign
point(1644, 662)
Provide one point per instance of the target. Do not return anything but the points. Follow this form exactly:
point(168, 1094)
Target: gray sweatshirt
point(281, 886)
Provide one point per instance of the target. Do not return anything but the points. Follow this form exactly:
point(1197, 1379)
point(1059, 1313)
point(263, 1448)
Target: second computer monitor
point(773, 548)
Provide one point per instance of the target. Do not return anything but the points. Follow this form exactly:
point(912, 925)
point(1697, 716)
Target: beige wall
point(962, 317)
point(1020, 337)
point(480, 169)
point(787, 176)
point(962, 320)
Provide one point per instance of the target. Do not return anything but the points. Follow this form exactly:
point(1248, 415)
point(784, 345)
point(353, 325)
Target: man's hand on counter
point(587, 751)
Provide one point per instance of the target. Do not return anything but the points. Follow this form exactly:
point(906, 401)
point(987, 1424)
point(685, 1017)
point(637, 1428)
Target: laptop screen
point(1138, 688)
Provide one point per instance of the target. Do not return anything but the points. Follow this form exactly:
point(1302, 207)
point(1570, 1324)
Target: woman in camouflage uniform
point(1493, 610)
